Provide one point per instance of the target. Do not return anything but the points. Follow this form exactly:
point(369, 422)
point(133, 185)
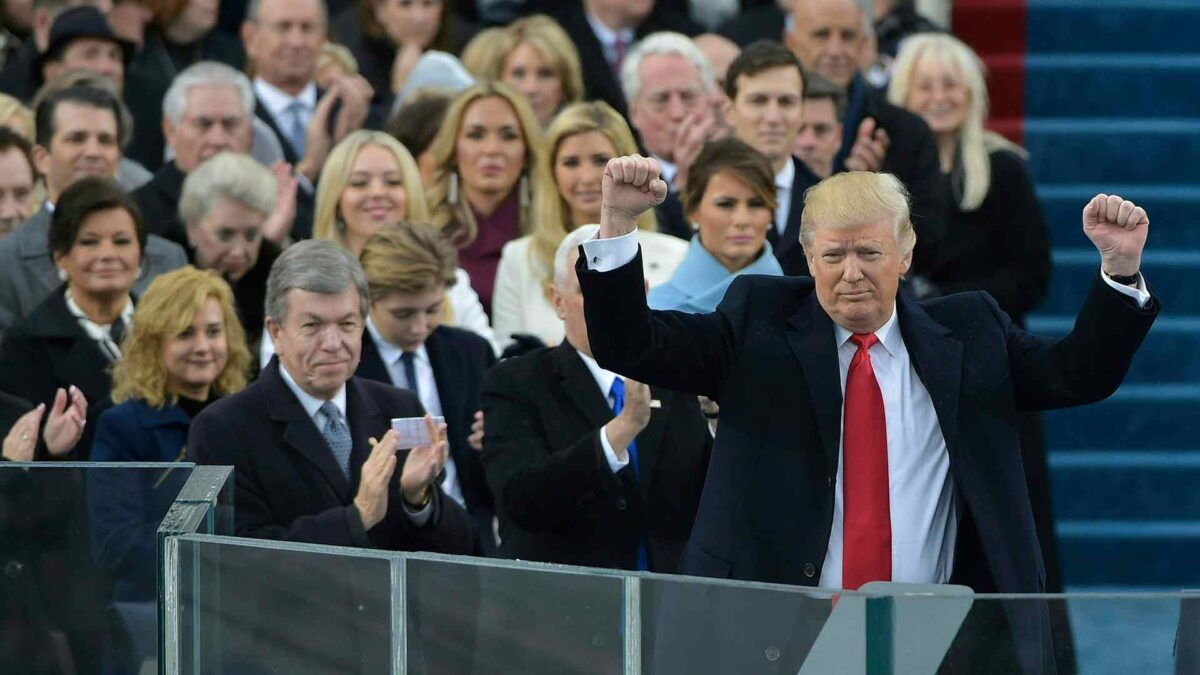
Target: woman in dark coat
point(62, 351)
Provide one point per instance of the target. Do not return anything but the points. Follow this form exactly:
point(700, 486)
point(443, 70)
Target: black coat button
point(810, 570)
point(622, 504)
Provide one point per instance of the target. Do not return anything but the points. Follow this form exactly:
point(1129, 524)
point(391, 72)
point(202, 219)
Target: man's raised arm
point(684, 352)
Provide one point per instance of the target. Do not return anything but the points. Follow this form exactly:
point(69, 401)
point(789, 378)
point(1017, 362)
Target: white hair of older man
point(205, 74)
point(663, 44)
point(562, 257)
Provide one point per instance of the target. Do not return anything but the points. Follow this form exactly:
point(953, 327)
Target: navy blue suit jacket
point(768, 356)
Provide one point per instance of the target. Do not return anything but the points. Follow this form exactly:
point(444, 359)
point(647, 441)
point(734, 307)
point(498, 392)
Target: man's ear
point(41, 159)
point(274, 329)
point(556, 299)
point(168, 130)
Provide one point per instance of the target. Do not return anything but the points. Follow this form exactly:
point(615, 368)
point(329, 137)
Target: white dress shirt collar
point(786, 176)
point(889, 337)
point(311, 404)
point(604, 378)
point(668, 171)
point(607, 36)
point(389, 352)
point(277, 101)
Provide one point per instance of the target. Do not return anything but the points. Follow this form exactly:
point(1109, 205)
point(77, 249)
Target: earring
point(141, 271)
point(452, 189)
point(191, 244)
point(340, 225)
point(63, 276)
point(523, 191)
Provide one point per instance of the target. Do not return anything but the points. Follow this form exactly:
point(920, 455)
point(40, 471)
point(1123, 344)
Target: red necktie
point(867, 521)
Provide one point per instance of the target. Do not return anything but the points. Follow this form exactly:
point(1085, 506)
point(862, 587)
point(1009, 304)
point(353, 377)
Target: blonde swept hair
point(333, 53)
point(168, 308)
point(551, 215)
point(451, 212)
point(484, 50)
point(408, 257)
point(327, 224)
point(974, 142)
point(16, 116)
point(857, 198)
point(543, 34)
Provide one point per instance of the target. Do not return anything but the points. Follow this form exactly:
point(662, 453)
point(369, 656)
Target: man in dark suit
point(829, 37)
point(573, 483)
point(283, 41)
point(305, 469)
point(605, 31)
point(837, 391)
point(764, 89)
point(409, 267)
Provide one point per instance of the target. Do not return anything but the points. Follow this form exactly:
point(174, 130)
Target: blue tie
point(618, 395)
point(296, 131)
point(410, 374)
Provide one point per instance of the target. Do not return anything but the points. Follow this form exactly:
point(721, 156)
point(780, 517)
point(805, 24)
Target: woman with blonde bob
point(579, 143)
point(535, 56)
point(995, 237)
point(484, 182)
point(186, 348)
point(370, 181)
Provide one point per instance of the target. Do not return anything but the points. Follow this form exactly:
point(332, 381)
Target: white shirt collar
point(604, 378)
point(311, 404)
point(277, 101)
point(888, 336)
point(668, 171)
point(48, 205)
point(786, 176)
point(389, 352)
point(607, 36)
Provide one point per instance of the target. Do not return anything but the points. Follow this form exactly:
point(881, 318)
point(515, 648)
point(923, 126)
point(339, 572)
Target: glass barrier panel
point(248, 605)
point(78, 564)
point(474, 615)
point(1090, 634)
point(693, 625)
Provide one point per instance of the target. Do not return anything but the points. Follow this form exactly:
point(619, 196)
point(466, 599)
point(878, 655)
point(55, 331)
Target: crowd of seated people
point(254, 242)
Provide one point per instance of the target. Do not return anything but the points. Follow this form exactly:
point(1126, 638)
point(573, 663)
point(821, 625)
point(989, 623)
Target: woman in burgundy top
point(482, 184)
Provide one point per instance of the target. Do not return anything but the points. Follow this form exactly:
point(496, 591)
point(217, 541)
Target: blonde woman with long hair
point(186, 348)
point(484, 182)
point(535, 56)
point(371, 181)
point(579, 143)
point(995, 237)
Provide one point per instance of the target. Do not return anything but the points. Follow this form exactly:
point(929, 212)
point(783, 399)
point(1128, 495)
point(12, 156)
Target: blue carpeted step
point(1064, 26)
point(1169, 354)
point(1151, 416)
point(1126, 484)
point(1174, 212)
point(1106, 85)
point(1160, 553)
point(1172, 274)
point(1114, 151)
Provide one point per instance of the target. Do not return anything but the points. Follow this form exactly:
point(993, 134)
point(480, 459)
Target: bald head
point(720, 52)
point(828, 37)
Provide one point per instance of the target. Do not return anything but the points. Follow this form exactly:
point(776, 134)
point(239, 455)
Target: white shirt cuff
point(1139, 292)
point(606, 255)
point(610, 454)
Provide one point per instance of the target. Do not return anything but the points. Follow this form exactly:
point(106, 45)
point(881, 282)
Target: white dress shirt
point(923, 528)
point(921, 494)
point(428, 394)
point(604, 380)
point(312, 407)
point(608, 38)
point(783, 195)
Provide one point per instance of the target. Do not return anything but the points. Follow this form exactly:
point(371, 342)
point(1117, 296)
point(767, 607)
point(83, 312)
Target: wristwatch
point(1130, 280)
